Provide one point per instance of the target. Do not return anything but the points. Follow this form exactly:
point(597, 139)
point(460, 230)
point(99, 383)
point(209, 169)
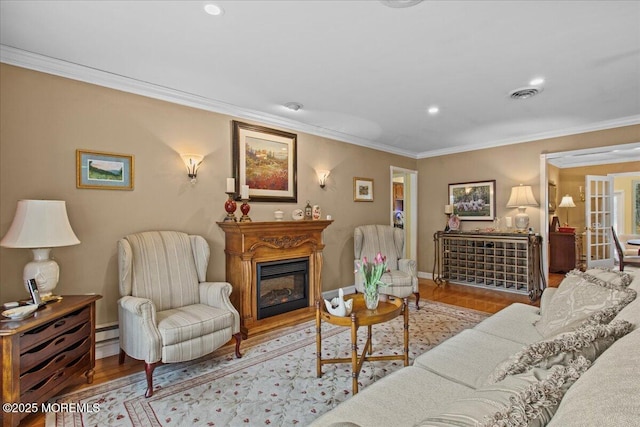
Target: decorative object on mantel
point(245, 208)
point(454, 223)
point(316, 212)
point(473, 201)
point(278, 215)
point(371, 273)
point(298, 214)
point(338, 306)
point(265, 160)
point(521, 197)
point(40, 225)
point(104, 171)
point(230, 205)
point(567, 202)
point(308, 212)
point(192, 162)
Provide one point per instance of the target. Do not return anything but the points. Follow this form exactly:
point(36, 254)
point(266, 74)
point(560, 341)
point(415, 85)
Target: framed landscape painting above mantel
point(265, 160)
point(473, 201)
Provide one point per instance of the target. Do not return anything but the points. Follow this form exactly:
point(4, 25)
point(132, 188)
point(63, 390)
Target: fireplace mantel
point(250, 243)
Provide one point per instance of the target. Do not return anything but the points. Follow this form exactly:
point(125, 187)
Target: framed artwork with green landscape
point(473, 201)
point(104, 171)
point(265, 160)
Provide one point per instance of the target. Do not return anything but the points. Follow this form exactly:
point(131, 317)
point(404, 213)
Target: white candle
point(448, 209)
point(507, 220)
point(244, 192)
point(231, 185)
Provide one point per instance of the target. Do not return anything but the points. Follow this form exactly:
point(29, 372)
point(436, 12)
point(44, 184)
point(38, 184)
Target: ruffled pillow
point(589, 341)
point(584, 298)
point(528, 399)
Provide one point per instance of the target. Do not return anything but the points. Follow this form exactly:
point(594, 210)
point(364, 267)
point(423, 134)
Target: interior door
point(599, 217)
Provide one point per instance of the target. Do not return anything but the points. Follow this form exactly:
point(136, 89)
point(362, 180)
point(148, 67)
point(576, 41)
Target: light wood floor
point(486, 300)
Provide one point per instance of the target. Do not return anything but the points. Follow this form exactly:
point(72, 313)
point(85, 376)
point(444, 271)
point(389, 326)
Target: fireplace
point(263, 252)
point(283, 286)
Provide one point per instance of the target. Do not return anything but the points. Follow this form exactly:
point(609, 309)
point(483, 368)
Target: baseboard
point(107, 348)
point(423, 275)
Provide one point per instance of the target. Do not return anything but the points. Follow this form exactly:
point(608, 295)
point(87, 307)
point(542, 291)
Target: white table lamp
point(40, 225)
point(567, 202)
point(521, 197)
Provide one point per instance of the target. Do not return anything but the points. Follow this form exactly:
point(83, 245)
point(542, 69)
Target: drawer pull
point(59, 358)
point(60, 323)
point(59, 341)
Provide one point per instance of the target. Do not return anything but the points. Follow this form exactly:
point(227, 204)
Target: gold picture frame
point(104, 171)
point(362, 189)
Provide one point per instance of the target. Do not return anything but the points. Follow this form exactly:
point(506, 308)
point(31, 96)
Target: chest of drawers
point(43, 354)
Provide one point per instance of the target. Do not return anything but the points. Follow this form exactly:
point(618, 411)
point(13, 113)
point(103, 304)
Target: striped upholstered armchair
point(402, 277)
point(168, 311)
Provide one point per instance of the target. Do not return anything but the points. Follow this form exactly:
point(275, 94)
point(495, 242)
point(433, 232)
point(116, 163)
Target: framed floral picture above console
point(473, 201)
point(265, 160)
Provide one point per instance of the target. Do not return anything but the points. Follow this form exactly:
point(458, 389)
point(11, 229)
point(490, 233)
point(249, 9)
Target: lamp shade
point(521, 195)
point(40, 224)
point(567, 202)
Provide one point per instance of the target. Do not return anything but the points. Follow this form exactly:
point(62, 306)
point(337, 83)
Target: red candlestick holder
point(245, 208)
point(230, 206)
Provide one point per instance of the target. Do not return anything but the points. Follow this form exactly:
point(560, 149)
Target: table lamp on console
point(567, 202)
point(521, 197)
point(40, 225)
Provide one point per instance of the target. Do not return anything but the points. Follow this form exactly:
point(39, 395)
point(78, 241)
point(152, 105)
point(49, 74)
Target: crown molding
point(49, 65)
point(33, 61)
point(592, 127)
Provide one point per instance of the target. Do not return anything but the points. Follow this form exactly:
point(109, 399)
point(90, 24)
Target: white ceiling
point(366, 73)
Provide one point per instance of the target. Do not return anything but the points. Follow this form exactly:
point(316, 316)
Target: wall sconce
point(192, 162)
point(322, 177)
point(581, 189)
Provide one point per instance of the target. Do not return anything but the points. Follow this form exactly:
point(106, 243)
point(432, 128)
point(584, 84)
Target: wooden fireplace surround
point(250, 243)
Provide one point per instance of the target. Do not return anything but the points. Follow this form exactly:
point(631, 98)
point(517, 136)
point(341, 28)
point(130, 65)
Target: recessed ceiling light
point(537, 81)
point(293, 106)
point(433, 110)
point(213, 9)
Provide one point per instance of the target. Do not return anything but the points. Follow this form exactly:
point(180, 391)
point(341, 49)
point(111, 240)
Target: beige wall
point(44, 119)
point(509, 165)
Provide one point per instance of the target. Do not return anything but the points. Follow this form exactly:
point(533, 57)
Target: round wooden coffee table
point(361, 316)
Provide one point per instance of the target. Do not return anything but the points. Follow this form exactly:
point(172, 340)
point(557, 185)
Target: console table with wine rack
point(508, 262)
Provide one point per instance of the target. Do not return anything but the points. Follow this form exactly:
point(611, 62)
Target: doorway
point(404, 207)
point(600, 156)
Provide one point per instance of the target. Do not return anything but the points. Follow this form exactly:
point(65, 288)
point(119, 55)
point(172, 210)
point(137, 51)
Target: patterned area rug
point(274, 383)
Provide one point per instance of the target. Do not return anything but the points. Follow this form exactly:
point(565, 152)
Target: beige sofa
point(581, 348)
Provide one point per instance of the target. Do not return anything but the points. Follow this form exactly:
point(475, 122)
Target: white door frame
point(410, 208)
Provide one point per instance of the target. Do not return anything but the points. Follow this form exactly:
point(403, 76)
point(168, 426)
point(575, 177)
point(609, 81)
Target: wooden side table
point(361, 316)
point(562, 252)
point(42, 354)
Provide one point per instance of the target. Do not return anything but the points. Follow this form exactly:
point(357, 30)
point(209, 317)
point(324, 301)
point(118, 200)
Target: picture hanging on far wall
point(104, 171)
point(265, 160)
point(473, 201)
point(362, 189)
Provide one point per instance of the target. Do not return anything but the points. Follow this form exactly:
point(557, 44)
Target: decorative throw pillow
point(588, 341)
point(615, 277)
point(528, 399)
point(582, 298)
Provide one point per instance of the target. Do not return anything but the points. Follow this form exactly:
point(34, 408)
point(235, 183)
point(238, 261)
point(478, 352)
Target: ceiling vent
point(525, 92)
